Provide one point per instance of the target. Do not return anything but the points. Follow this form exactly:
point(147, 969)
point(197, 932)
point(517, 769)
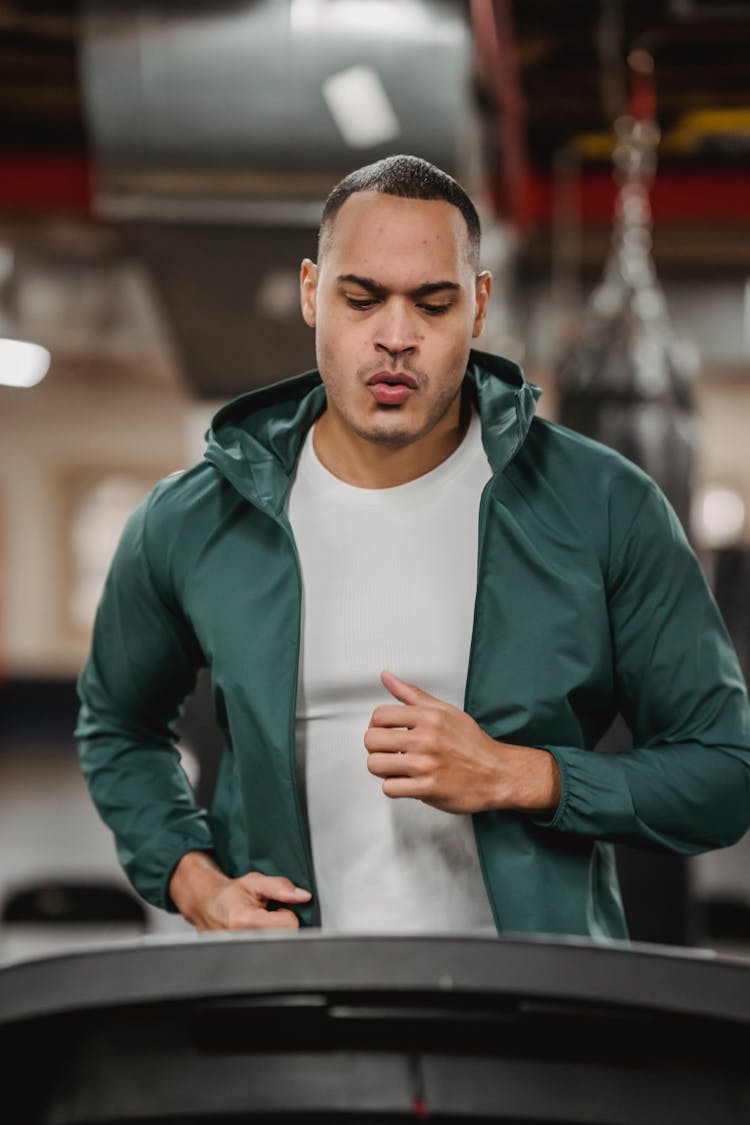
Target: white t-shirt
point(389, 578)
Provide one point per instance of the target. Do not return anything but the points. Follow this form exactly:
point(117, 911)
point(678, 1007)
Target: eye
point(435, 310)
point(362, 303)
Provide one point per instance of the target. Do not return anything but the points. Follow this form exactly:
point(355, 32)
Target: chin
point(394, 437)
point(388, 432)
point(394, 440)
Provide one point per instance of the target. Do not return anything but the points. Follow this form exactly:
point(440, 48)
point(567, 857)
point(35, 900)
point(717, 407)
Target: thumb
point(405, 693)
point(276, 887)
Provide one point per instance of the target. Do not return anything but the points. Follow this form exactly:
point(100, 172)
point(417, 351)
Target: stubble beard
point(390, 436)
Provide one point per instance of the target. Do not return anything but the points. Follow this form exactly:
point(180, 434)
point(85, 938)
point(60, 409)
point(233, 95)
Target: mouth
point(391, 388)
point(393, 379)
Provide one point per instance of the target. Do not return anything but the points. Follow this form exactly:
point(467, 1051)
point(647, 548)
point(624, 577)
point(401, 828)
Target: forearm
point(681, 797)
point(143, 795)
point(143, 664)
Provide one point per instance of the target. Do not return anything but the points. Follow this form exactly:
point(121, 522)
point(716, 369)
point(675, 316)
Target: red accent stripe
point(719, 196)
point(38, 182)
point(494, 36)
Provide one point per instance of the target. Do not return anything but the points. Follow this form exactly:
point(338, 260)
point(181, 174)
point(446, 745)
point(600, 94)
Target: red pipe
point(492, 22)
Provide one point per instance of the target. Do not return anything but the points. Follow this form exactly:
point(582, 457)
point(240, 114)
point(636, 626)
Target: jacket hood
point(255, 440)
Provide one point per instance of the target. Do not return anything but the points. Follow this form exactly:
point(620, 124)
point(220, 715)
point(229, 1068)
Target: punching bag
point(627, 382)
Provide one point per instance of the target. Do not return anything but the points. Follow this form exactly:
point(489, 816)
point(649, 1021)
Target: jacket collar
point(255, 440)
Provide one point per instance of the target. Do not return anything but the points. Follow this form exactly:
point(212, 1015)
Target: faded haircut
point(411, 178)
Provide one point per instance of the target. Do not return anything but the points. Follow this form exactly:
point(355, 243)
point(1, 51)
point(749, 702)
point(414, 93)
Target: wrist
point(528, 781)
point(543, 799)
point(195, 878)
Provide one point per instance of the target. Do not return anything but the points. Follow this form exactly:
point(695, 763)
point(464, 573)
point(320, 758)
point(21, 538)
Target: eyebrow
point(379, 290)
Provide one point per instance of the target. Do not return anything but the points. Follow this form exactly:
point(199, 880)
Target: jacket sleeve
point(143, 663)
point(685, 786)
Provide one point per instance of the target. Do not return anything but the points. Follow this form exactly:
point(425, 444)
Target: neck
point(371, 464)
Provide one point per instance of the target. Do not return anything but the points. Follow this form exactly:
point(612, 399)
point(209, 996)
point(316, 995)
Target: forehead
point(373, 232)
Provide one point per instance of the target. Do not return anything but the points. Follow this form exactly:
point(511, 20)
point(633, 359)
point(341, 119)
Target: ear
point(483, 286)
point(308, 289)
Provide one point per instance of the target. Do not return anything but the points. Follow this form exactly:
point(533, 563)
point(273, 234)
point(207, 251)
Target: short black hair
point(411, 178)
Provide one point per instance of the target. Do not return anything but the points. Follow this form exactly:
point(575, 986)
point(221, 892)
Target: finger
point(390, 765)
point(393, 715)
point(276, 887)
point(276, 920)
point(418, 787)
point(386, 740)
point(407, 693)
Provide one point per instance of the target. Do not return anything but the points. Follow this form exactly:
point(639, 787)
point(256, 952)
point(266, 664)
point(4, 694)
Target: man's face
point(395, 304)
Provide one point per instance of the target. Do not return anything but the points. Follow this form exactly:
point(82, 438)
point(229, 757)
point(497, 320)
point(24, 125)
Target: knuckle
point(430, 753)
point(416, 772)
point(288, 920)
point(277, 920)
point(236, 921)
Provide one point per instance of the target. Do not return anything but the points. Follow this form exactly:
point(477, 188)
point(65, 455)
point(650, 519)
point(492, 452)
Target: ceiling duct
point(220, 127)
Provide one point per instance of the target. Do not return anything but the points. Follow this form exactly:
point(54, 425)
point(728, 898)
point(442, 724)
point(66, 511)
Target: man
point(422, 608)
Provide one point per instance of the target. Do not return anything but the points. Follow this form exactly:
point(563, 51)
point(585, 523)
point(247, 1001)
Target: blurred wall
point(56, 441)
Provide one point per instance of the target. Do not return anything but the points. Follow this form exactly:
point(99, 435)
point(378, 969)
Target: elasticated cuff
point(595, 798)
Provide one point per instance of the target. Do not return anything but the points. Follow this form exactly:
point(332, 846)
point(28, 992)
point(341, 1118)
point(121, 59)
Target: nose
point(396, 329)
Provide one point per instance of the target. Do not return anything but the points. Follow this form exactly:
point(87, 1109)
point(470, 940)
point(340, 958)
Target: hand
point(210, 900)
point(428, 749)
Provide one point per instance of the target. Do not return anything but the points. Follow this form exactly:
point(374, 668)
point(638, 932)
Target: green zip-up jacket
point(589, 601)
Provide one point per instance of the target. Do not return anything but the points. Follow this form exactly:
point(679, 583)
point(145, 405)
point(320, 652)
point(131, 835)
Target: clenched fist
point(425, 748)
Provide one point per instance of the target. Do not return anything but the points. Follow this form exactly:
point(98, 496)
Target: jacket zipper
point(482, 524)
point(303, 823)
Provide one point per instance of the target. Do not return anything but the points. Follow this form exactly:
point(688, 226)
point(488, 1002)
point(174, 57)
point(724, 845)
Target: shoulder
point(581, 467)
point(177, 517)
point(576, 451)
point(586, 488)
point(197, 493)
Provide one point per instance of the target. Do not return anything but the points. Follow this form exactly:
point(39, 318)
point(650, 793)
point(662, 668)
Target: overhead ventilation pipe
point(219, 128)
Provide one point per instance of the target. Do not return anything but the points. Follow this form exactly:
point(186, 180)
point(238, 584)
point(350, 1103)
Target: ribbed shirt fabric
point(389, 578)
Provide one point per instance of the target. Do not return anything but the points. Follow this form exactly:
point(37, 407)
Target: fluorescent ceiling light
point(402, 20)
point(22, 364)
point(360, 107)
